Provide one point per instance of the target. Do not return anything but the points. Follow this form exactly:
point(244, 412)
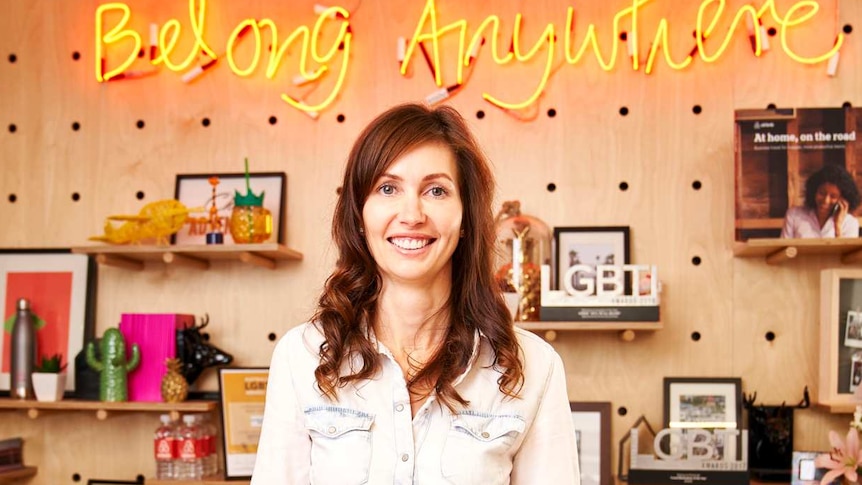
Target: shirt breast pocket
point(340, 445)
point(478, 448)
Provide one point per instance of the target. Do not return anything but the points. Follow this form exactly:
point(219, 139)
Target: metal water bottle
point(23, 351)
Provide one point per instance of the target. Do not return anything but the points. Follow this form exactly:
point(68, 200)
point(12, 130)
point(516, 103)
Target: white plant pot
point(48, 386)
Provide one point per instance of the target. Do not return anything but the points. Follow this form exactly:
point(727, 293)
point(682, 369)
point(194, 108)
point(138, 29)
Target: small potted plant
point(49, 380)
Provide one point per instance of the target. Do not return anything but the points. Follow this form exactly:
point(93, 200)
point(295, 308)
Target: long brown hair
point(349, 299)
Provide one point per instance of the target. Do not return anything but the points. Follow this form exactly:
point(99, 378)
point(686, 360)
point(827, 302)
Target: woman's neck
point(411, 319)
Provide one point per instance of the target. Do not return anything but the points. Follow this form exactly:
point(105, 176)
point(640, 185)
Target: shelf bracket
point(120, 262)
point(186, 261)
point(782, 255)
point(257, 260)
point(627, 335)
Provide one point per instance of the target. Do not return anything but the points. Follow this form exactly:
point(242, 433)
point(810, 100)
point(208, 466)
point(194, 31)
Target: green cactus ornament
point(113, 369)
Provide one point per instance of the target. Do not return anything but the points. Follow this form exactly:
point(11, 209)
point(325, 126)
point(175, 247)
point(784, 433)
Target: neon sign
point(709, 44)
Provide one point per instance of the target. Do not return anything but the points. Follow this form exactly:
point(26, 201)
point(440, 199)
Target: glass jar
point(523, 245)
point(250, 224)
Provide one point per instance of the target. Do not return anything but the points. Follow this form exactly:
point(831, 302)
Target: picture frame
point(839, 373)
point(705, 402)
point(196, 192)
point(61, 287)
point(804, 471)
point(590, 246)
point(592, 422)
point(853, 330)
point(242, 394)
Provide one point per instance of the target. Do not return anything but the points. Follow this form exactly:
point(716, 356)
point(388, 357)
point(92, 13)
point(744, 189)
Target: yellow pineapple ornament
point(174, 385)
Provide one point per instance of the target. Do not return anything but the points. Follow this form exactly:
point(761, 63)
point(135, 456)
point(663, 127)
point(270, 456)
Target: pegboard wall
point(596, 146)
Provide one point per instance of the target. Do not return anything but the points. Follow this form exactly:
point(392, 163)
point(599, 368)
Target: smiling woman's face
point(826, 197)
point(412, 218)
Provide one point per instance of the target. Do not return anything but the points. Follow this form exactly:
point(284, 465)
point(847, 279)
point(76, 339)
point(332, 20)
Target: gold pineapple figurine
point(174, 385)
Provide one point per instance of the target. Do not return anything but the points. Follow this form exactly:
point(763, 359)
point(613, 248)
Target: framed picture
point(243, 394)
point(195, 191)
point(840, 357)
point(804, 471)
point(61, 289)
point(590, 246)
point(853, 332)
point(705, 402)
point(592, 421)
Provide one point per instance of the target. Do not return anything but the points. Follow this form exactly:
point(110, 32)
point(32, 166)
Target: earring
point(362, 231)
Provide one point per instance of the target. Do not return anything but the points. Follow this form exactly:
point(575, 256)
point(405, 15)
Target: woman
point(411, 370)
point(831, 197)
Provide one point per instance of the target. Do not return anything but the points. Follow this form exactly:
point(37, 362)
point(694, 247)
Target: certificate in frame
point(243, 393)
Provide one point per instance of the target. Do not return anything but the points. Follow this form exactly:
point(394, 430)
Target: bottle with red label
point(208, 434)
point(189, 465)
point(165, 450)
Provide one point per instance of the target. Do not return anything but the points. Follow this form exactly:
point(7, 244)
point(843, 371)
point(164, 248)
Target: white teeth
point(408, 243)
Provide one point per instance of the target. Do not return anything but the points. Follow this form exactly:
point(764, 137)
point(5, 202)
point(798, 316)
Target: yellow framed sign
point(243, 394)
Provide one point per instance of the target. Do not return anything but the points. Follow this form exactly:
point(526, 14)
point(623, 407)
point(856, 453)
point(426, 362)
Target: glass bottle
point(165, 449)
point(523, 246)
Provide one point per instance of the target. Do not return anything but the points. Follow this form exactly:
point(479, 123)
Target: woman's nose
point(411, 211)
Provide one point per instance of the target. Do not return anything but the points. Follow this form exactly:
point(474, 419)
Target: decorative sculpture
point(174, 385)
point(113, 368)
point(196, 353)
point(770, 438)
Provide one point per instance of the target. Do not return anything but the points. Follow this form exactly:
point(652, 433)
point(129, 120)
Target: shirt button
point(399, 408)
point(485, 434)
point(331, 430)
point(405, 457)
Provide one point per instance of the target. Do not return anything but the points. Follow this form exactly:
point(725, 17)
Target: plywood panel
point(587, 149)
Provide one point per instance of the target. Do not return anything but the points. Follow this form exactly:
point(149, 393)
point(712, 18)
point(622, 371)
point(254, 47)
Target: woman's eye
point(386, 189)
point(437, 191)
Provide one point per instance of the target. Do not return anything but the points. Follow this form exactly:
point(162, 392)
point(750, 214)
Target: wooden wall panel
point(587, 150)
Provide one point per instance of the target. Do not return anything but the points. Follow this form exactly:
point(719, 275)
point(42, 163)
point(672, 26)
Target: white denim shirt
point(368, 435)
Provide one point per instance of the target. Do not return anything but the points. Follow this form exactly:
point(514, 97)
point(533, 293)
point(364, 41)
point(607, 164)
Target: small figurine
point(157, 220)
point(174, 385)
point(113, 368)
point(215, 234)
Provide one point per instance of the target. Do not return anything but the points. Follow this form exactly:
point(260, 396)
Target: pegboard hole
point(76, 196)
point(139, 478)
point(76, 477)
point(770, 336)
point(76, 126)
point(847, 28)
point(770, 106)
point(696, 185)
point(552, 187)
point(12, 198)
point(771, 31)
point(624, 36)
point(624, 186)
point(340, 118)
point(140, 124)
point(624, 111)
point(13, 58)
point(271, 337)
point(139, 195)
point(76, 56)
point(696, 109)
point(141, 53)
point(696, 261)
point(480, 114)
point(622, 411)
point(13, 128)
point(205, 122)
point(695, 336)
point(847, 105)
point(552, 112)
point(273, 120)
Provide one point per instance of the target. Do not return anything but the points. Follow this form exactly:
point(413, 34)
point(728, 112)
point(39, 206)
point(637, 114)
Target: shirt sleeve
point(284, 449)
point(850, 226)
point(788, 230)
point(548, 453)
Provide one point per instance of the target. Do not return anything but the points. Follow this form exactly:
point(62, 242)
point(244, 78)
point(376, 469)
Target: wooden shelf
point(626, 329)
point(103, 408)
point(777, 251)
point(215, 480)
point(838, 407)
point(196, 256)
point(12, 475)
